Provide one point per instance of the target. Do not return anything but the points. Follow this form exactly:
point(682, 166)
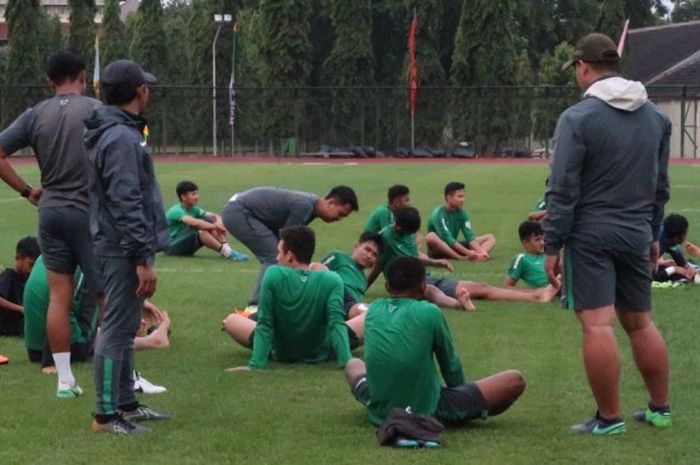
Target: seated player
point(529, 265)
point(445, 224)
point(672, 234)
point(383, 215)
point(404, 338)
point(190, 227)
point(351, 270)
point(12, 282)
point(255, 217)
point(399, 240)
point(539, 211)
point(300, 317)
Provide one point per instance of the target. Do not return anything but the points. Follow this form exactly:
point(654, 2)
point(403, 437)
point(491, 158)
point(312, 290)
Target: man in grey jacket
point(605, 201)
point(128, 227)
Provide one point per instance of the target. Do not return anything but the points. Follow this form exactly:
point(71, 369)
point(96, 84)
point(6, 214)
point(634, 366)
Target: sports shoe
point(66, 391)
point(238, 256)
point(143, 385)
point(119, 426)
point(650, 417)
point(403, 443)
point(598, 427)
point(4, 360)
point(144, 413)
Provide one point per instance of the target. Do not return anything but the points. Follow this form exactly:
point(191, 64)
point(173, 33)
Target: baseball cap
point(594, 48)
point(125, 75)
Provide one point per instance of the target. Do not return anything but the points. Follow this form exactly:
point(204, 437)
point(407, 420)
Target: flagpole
point(233, 74)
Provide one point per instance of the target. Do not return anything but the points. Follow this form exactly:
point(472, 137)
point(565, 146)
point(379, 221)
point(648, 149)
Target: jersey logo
point(303, 278)
point(392, 308)
point(63, 102)
point(143, 144)
point(468, 224)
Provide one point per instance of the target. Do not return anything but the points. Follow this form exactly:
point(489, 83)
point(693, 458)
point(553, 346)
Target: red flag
point(623, 36)
point(412, 68)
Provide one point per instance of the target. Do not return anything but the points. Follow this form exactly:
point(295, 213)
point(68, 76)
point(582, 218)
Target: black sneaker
point(598, 427)
point(145, 413)
point(119, 426)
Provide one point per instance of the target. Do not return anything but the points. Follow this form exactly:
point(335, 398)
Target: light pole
point(220, 20)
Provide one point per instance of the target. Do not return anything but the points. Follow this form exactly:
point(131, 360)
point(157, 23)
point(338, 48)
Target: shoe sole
point(69, 393)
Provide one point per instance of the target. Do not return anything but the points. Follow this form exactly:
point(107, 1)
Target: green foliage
point(389, 36)
point(322, 37)
point(25, 21)
point(686, 10)
point(147, 46)
point(611, 18)
point(82, 28)
point(114, 44)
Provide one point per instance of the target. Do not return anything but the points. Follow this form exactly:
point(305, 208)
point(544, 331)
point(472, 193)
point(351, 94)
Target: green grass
point(305, 414)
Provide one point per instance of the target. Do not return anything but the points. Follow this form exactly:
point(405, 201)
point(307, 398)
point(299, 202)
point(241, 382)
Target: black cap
point(594, 48)
point(125, 75)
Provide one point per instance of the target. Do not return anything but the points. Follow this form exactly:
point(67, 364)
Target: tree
point(114, 44)
point(24, 58)
point(389, 29)
point(82, 28)
point(611, 18)
point(686, 10)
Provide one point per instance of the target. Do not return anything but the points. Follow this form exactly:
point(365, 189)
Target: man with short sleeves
point(383, 216)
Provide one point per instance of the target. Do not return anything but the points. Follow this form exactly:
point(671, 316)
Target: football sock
point(664, 409)
point(225, 249)
point(65, 374)
point(608, 421)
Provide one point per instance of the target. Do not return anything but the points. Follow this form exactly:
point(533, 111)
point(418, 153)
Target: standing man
point(128, 227)
point(605, 202)
point(54, 130)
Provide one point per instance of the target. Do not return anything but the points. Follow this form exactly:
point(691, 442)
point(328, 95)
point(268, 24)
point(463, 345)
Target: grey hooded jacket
point(608, 180)
point(126, 209)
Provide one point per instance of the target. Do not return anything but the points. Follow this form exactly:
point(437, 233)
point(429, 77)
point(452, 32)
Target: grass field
point(305, 414)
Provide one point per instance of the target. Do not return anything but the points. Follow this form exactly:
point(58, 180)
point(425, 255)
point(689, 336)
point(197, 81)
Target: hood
point(619, 93)
point(104, 117)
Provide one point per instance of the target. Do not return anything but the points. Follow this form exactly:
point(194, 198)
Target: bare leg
point(239, 328)
point(692, 249)
point(158, 339)
point(601, 358)
point(650, 354)
point(463, 297)
point(438, 247)
point(357, 325)
point(439, 298)
point(209, 241)
point(357, 310)
point(487, 292)
point(486, 242)
point(58, 316)
point(501, 390)
point(354, 368)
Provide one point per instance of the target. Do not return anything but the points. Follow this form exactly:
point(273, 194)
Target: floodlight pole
point(220, 20)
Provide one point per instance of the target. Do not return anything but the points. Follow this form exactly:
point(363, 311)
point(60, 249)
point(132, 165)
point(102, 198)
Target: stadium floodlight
point(219, 19)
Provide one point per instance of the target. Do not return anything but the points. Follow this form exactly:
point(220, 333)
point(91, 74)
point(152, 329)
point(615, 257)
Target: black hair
point(408, 220)
point(405, 273)
point(528, 229)
point(118, 94)
point(345, 196)
point(397, 191)
point(604, 66)
point(452, 187)
point(371, 237)
point(64, 65)
point(28, 247)
point(300, 240)
point(183, 187)
point(675, 225)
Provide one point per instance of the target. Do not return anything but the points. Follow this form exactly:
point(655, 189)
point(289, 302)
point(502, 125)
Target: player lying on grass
point(671, 236)
point(445, 224)
point(383, 216)
point(528, 266)
point(255, 218)
point(404, 337)
point(400, 240)
point(300, 316)
point(190, 227)
point(12, 283)
point(351, 270)
point(539, 210)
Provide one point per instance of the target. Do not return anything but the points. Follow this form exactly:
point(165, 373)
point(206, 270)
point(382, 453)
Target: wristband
point(26, 191)
point(670, 270)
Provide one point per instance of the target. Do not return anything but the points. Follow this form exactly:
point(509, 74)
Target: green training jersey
point(540, 206)
point(401, 338)
point(300, 318)
point(395, 244)
point(352, 276)
point(175, 215)
point(529, 268)
point(448, 224)
point(380, 218)
point(83, 313)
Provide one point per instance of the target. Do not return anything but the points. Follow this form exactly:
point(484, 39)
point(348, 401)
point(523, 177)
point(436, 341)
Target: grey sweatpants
point(255, 235)
point(114, 354)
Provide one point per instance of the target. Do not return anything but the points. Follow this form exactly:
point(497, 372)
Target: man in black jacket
point(128, 227)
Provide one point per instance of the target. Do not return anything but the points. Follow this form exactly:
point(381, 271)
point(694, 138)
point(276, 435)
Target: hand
point(35, 195)
point(443, 263)
point(553, 269)
point(481, 255)
point(689, 272)
point(234, 369)
point(654, 254)
point(152, 312)
point(147, 281)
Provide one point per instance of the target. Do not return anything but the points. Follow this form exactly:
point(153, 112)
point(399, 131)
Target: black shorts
point(348, 303)
point(594, 278)
point(446, 285)
point(436, 254)
point(457, 405)
point(185, 244)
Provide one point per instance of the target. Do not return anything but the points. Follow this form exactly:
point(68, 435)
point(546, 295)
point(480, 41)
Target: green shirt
point(448, 224)
point(83, 313)
point(540, 206)
point(529, 268)
point(395, 244)
point(401, 337)
point(353, 277)
point(300, 318)
point(380, 218)
point(175, 216)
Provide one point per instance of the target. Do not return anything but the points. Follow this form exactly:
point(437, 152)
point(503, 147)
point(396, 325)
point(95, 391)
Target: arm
point(262, 343)
point(299, 212)
point(440, 224)
point(12, 139)
point(515, 271)
point(509, 282)
point(437, 263)
point(663, 188)
point(449, 363)
point(7, 305)
point(337, 329)
point(200, 224)
point(374, 274)
point(537, 216)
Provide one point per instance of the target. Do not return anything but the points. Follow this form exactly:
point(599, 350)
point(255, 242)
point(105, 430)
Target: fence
point(490, 121)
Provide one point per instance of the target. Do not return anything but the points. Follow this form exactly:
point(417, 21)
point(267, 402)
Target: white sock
point(225, 250)
point(65, 374)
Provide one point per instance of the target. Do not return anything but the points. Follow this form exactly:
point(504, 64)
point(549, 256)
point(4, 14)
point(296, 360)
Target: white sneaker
point(141, 384)
point(250, 309)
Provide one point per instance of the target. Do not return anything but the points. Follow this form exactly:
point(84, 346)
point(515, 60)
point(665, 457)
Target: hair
point(300, 240)
point(408, 219)
point(371, 237)
point(527, 229)
point(118, 94)
point(675, 225)
point(452, 187)
point(405, 273)
point(397, 191)
point(28, 247)
point(63, 66)
point(183, 187)
point(345, 196)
